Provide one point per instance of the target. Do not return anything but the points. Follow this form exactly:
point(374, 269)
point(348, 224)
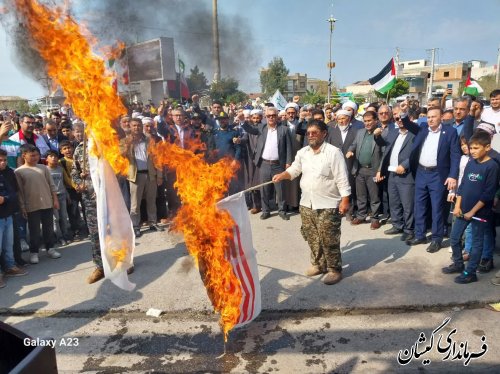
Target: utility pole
point(431, 80)
point(498, 67)
point(397, 62)
point(331, 64)
point(215, 37)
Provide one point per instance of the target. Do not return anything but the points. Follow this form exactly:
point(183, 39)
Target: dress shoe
point(137, 232)
point(155, 227)
point(96, 275)
point(393, 231)
point(357, 221)
point(407, 236)
point(332, 277)
point(265, 215)
point(375, 224)
point(130, 270)
point(453, 268)
point(284, 216)
point(433, 247)
point(314, 270)
point(255, 210)
point(416, 241)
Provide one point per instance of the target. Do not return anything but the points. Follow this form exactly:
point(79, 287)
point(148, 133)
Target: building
point(359, 88)
point(8, 102)
point(296, 84)
point(480, 69)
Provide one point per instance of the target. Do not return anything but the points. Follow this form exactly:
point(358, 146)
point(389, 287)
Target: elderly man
point(461, 108)
point(325, 198)
point(273, 154)
point(352, 108)
point(292, 189)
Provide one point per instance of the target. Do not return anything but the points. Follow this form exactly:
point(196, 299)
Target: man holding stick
point(325, 198)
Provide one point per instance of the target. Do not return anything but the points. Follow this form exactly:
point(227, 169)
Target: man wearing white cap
point(342, 136)
point(352, 107)
point(292, 188)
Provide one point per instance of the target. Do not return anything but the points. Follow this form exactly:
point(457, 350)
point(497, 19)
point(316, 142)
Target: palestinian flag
point(385, 80)
point(472, 88)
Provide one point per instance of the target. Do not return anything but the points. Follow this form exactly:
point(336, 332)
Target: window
point(446, 74)
point(302, 84)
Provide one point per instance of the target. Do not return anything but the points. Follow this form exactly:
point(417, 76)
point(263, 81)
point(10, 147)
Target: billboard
point(151, 60)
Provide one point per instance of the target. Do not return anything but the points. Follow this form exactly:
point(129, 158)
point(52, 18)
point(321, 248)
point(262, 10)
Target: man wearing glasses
point(273, 154)
point(325, 197)
point(26, 136)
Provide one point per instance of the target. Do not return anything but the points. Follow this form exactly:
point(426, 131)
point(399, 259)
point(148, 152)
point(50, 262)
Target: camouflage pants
point(321, 229)
point(91, 214)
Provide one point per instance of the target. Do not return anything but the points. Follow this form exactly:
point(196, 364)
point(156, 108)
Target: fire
point(80, 73)
point(207, 230)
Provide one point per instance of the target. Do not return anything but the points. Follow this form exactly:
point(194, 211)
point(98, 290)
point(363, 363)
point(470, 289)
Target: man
point(273, 154)
point(461, 108)
point(211, 119)
point(492, 114)
point(342, 136)
point(53, 137)
point(125, 124)
point(401, 185)
point(386, 121)
point(26, 136)
point(143, 177)
point(434, 161)
point(325, 197)
point(352, 107)
point(367, 152)
point(291, 188)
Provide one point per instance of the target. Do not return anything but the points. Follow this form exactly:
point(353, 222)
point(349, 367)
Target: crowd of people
point(415, 167)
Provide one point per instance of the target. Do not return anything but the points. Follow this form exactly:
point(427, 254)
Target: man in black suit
point(342, 136)
point(273, 154)
point(401, 184)
point(53, 137)
point(367, 153)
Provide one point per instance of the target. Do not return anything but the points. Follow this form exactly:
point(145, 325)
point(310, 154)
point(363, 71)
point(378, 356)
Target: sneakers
point(332, 277)
point(485, 266)
point(52, 253)
point(465, 278)
point(24, 246)
point(96, 275)
point(2, 283)
point(34, 258)
point(313, 271)
point(15, 272)
point(453, 268)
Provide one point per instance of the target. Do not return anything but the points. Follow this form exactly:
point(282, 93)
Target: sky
point(365, 37)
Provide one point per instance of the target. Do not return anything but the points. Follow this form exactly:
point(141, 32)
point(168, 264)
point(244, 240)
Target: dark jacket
point(355, 147)
point(8, 189)
point(403, 156)
point(60, 138)
point(284, 142)
point(335, 138)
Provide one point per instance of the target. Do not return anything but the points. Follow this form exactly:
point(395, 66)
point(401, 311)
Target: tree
point(274, 77)
point(313, 97)
point(20, 106)
point(401, 87)
point(197, 81)
point(488, 83)
point(226, 89)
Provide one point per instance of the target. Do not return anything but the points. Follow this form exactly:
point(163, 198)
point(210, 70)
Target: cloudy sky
point(365, 37)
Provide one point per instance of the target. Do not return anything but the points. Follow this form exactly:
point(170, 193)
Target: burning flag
point(83, 77)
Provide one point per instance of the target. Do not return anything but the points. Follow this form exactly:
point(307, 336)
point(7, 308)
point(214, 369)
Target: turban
point(292, 105)
point(343, 112)
point(489, 128)
point(256, 111)
point(350, 104)
point(146, 120)
point(247, 112)
point(135, 114)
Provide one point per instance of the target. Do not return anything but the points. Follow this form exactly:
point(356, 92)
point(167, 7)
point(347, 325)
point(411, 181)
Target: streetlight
point(331, 64)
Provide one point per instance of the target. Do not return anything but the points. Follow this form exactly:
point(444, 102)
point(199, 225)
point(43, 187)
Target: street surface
point(389, 295)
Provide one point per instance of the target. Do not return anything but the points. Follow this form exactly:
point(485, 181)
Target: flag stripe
point(235, 260)
point(387, 70)
point(248, 272)
point(385, 80)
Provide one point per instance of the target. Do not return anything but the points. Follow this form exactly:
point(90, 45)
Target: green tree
point(197, 82)
point(35, 108)
point(488, 84)
point(19, 106)
point(274, 77)
point(224, 89)
point(313, 97)
point(401, 87)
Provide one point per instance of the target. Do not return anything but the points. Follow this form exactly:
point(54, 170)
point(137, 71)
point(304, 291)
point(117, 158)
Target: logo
point(475, 177)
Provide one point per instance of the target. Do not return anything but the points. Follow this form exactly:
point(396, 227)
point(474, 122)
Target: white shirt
point(343, 132)
point(428, 155)
point(393, 161)
point(141, 156)
point(491, 116)
point(270, 151)
point(180, 130)
point(324, 176)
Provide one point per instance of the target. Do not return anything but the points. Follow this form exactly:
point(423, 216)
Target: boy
point(61, 223)
point(474, 200)
point(38, 198)
point(8, 205)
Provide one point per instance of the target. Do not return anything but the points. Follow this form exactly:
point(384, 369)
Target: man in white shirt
point(492, 114)
point(325, 198)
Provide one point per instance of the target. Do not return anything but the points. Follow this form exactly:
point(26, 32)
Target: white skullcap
point(135, 114)
point(146, 120)
point(247, 112)
point(292, 105)
point(488, 127)
point(256, 111)
point(350, 104)
point(343, 112)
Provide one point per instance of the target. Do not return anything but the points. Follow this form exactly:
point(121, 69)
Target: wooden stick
point(257, 187)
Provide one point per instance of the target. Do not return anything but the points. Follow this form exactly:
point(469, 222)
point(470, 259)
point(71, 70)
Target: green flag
point(182, 67)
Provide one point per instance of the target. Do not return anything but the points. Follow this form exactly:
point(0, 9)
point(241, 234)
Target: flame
point(118, 251)
point(67, 49)
point(207, 230)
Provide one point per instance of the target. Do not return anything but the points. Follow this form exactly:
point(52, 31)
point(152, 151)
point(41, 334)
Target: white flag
point(278, 100)
point(116, 234)
point(243, 258)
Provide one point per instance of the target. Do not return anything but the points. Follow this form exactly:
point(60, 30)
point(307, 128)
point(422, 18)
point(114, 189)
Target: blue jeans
point(7, 242)
point(478, 232)
point(488, 245)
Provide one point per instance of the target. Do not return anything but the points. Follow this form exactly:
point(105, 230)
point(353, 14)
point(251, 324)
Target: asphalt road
point(390, 293)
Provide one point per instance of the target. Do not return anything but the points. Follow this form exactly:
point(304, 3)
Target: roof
point(12, 98)
point(360, 83)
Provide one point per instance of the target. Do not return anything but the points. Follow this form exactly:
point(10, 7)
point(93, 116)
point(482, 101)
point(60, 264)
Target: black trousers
point(267, 172)
point(402, 203)
point(366, 187)
point(45, 218)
